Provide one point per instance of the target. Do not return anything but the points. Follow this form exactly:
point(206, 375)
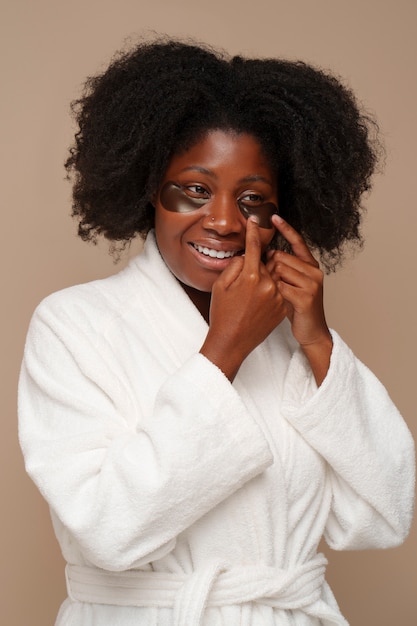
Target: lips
point(216, 254)
point(214, 258)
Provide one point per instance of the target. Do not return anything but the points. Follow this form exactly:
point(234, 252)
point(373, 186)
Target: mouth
point(216, 254)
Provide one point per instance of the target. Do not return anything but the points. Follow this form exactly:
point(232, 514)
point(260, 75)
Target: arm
point(352, 423)
point(300, 282)
point(349, 419)
point(125, 485)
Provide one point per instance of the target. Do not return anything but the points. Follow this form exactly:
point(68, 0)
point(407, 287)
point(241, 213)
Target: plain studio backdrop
point(48, 48)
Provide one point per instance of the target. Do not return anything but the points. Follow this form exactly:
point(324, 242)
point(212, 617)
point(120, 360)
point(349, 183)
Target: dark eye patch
point(263, 212)
point(174, 198)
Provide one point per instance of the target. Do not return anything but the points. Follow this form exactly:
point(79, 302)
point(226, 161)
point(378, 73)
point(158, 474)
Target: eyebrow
point(254, 178)
point(198, 168)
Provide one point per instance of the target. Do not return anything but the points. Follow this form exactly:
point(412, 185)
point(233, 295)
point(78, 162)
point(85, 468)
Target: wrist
point(318, 354)
point(223, 354)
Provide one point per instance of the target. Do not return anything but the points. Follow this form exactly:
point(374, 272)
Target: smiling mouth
point(216, 254)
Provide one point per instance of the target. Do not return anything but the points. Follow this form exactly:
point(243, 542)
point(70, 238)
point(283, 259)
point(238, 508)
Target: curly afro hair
point(159, 98)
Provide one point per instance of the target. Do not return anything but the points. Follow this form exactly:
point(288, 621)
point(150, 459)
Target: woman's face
point(204, 200)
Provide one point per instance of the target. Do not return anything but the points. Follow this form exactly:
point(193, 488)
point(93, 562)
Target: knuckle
point(253, 276)
point(270, 288)
point(319, 273)
point(316, 276)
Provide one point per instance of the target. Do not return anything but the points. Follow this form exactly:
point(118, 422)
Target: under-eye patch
point(174, 198)
point(263, 212)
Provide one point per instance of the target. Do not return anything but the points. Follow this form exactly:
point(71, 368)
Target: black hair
point(160, 97)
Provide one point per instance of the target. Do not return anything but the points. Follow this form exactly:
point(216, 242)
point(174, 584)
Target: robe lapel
point(183, 330)
point(178, 322)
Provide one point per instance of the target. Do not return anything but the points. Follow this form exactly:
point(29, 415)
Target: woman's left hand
point(300, 282)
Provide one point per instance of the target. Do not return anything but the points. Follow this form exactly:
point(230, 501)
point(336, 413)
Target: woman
point(192, 422)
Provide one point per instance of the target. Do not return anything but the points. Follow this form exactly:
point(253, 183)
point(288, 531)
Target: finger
point(301, 282)
point(231, 273)
point(296, 241)
point(271, 260)
point(252, 245)
point(289, 267)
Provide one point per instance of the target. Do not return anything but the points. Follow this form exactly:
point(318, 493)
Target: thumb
point(231, 273)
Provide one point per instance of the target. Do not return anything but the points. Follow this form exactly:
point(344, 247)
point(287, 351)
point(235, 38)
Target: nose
point(223, 215)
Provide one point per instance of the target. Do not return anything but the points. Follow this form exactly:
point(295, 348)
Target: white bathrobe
point(180, 498)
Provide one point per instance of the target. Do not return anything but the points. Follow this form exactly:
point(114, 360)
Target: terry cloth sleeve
point(125, 492)
point(351, 421)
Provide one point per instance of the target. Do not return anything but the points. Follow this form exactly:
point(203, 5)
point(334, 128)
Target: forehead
point(221, 152)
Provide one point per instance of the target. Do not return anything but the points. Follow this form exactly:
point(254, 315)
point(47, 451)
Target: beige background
point(48, 47)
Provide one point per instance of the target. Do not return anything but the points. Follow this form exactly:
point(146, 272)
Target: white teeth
point(215, 254)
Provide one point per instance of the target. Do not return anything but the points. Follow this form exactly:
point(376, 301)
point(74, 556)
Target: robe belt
point(213, 585)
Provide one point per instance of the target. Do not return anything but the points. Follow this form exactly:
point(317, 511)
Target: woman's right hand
point(246, 306)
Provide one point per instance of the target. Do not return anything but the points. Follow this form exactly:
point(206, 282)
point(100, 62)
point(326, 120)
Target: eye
point(251, 198)
point(197, 191)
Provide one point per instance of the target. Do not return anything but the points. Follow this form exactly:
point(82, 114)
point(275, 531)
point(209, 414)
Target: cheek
point(169, 231)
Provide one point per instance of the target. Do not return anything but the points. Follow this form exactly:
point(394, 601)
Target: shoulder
point(91, 305)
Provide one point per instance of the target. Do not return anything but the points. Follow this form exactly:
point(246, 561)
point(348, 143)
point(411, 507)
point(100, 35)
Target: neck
point(200, 299)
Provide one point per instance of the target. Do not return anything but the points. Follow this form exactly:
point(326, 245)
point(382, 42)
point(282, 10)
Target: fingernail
point(254, 218)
